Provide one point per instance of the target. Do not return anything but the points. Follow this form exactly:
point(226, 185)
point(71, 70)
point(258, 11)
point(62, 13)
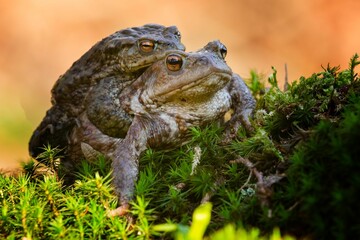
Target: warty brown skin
point(163, 103)
point(119, 58)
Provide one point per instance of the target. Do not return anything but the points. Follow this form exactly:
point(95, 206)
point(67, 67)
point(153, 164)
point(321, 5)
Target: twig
point(263, 185)
point(286, 83)
point(207, 197)
point(293, 206)
point(244, 161)
point(247, 181)
point(213, 190)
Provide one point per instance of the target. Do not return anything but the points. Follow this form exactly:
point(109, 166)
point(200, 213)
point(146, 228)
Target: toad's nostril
point(202, 60)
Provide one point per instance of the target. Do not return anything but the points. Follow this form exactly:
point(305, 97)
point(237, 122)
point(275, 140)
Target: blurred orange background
point(40, 39)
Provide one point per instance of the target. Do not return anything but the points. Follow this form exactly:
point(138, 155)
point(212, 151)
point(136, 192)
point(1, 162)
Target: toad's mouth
point(140, 65)
point(211, 82)
point(138, 68)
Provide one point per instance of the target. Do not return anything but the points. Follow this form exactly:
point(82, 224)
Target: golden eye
point(147, 46)
point(174, 62)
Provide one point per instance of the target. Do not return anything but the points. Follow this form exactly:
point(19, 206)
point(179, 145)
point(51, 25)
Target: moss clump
point(324, 177)
point(315, 124)
point(298, 172)
point(309, 100)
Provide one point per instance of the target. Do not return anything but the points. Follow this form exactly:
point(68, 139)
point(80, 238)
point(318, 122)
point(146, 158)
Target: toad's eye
point(223, 51)
point(174, 62)
point(178, 35)
point(147, 46)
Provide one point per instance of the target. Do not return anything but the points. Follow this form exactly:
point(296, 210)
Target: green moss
point(309, 133)
point(325, 173)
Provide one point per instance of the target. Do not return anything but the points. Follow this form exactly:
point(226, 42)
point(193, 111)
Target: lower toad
point(181, 91)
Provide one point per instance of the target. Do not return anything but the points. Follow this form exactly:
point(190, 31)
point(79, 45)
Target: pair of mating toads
point(135, 89)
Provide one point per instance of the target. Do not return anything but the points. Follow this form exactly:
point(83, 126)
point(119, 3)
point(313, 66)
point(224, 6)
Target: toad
point(121, 57)
point(181, 91)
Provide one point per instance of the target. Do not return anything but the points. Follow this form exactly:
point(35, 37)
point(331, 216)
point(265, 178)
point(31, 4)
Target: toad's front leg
point(125, 165)
point(243, 105)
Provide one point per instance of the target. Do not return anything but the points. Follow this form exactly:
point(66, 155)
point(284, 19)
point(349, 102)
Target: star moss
point(298, 174)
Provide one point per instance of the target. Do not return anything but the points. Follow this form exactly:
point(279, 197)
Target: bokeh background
point(40, 39)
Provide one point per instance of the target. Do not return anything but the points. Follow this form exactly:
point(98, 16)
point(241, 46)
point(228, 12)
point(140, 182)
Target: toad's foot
point(120, 211)
point(236, 121)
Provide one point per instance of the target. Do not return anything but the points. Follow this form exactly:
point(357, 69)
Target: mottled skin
point(121, 57)
point(181, 91)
